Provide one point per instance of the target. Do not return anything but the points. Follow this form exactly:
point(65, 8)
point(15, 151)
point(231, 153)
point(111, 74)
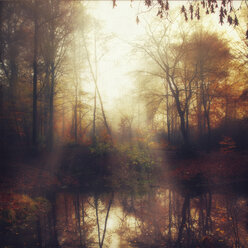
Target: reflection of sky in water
point(114, 224)
point(150, 218)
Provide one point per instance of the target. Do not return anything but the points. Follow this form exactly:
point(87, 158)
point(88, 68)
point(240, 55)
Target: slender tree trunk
point(2, 119)
point(94, 119)
point(53, 221)
point(183, 222)
point(201, 218)
point(75, 118)
point(39, 236)
point(187, 120)
point(199, 110)
point(208, 213)
point(97, 221)
point(106, 219)
point(63, 121)
point(52, 60)
point(168, 114)
point(172, 125)
point(13, 80)
point(80, 121)
point(75, 76)
point(181, 114)
point(94, 74)
point(208, 126)
point(233, 216)
point(34, 128)
point(66, 211)
point(170, 215)
point(103, 113)
point(183, 129)
point(206, 106)
point(101, 240)
point(54, 215)
point(188, 226)
point(77, 212)
point(83, 220)
point(13, 89)
point(51, 108)
point(46, 102)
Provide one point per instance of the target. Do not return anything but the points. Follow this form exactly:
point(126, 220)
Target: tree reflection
point(161, 217)
point(96, 205)
point(168, 219)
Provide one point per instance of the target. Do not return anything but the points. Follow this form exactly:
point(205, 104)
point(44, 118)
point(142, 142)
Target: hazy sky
point(115, 80)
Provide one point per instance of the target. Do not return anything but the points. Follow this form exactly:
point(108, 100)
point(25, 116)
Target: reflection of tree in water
point(74, 222)
point(102, 232)
point(167, 219)
point(82, 219)
point(158, 218)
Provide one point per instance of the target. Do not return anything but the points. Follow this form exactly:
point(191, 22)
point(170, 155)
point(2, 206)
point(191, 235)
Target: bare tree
point(213, 58)
point(56, 37)
point(93, 62)
point(171, 60)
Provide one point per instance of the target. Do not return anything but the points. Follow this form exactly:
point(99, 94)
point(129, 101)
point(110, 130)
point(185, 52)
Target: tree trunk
point(183, 222)
point(76, 119)
point(2, 120)
point(103, 113)
point(53, 220)
point(199, 110)
point(181, 114)
point(101, 240)
point(208, 213)
point(168, 114)
point(34, 137)
point(77, 213)
point(183, 129)
point(97, 221)
point(170, 216)
point(13, 79)
point(13, 88)
point(80, 121)
point(63, 122)
point(84, 229)
point(201, 218)
point(46, 102)
point(39, 236)
point(66, 211)
point(208, 126)
point(94, 119)
point(51, 108)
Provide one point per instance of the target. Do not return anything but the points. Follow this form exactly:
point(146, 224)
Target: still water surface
point(159, 218)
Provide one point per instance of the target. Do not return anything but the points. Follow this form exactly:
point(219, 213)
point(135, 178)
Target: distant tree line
point(191, 83)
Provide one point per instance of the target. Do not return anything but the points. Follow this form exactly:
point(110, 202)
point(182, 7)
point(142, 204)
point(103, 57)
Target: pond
point(132, 205)
point(158, 218)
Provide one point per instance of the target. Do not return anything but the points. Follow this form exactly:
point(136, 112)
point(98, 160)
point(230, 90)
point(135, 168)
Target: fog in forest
point(123, 124)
